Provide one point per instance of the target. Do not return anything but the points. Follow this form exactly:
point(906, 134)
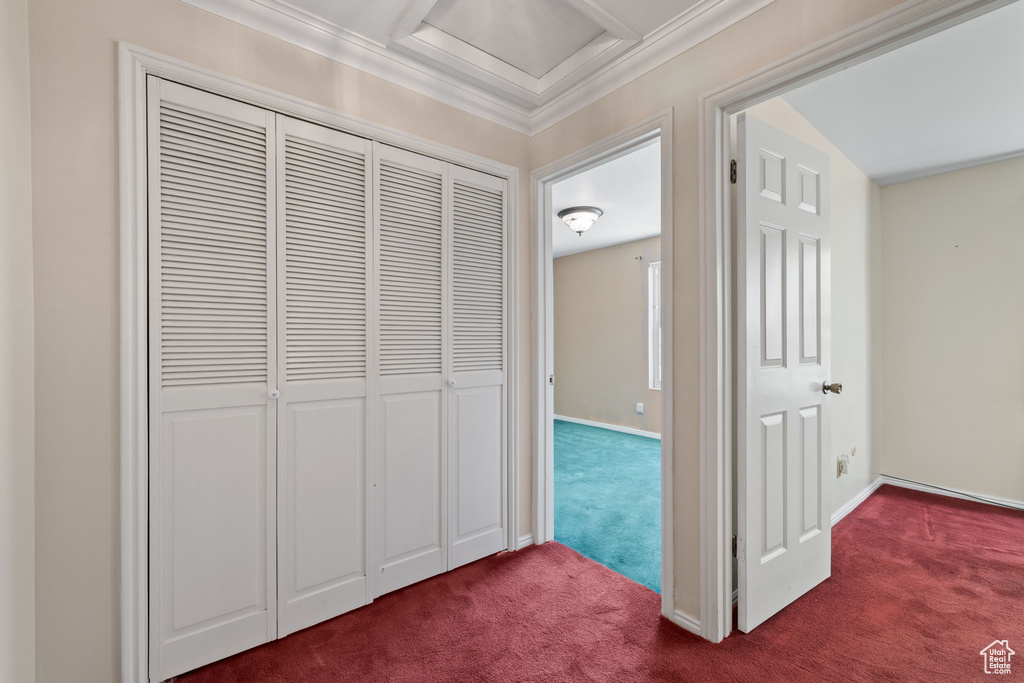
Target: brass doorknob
point(834, 388)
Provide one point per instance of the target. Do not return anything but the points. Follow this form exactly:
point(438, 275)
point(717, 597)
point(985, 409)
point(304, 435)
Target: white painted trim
point(134, 64)
point(623, 142)
point(686, 621)
point(292, 25)
point(611, 427)
point(525, 541)
point(951, 493)
point(905, 23)
point(605, 19)
point(687, 30)
point(930, 171)
point(852, 504)
point(621, 56)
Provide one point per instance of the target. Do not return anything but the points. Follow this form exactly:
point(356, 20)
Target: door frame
point(542, 179)
point(134, 65)
point(898, 26)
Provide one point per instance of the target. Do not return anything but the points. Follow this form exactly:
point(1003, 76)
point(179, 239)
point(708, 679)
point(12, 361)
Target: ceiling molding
point(603, 18)
point(671, 40)
point(433, 63)
point(919, 173)
point(294, 26)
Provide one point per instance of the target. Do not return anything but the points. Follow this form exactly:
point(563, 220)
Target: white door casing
point(784, 313)
point(211, 363)
point(323, 232)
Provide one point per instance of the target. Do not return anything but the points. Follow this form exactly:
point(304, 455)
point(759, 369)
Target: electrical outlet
point(639, 408)
point(844, 464)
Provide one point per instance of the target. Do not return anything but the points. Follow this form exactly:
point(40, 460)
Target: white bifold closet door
point(212, 336)
point(477, 432)
point(442, 431)
point(327, 373)
point(324, 202)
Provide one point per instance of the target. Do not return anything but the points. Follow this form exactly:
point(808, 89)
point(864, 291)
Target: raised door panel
point(212, 426)
point(325, 543)
point(478, 474)
point(215, 535)
point(413, 541)
point(324, 212)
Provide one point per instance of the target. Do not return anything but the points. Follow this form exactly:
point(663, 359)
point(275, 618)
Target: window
point(654, 323)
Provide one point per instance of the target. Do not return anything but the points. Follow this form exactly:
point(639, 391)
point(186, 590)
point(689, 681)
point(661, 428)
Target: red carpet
point(920, 584)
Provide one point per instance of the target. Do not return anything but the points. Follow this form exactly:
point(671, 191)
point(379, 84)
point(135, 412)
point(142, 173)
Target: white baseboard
point(614, 428)
point(688, 622)
point(524, 541)
point(952, 493)
point(857, 500)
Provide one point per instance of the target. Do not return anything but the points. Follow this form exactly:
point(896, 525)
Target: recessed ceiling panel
point(534, 36)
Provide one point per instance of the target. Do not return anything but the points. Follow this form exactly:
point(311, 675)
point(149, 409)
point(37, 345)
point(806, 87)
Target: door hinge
point(732, 171)
point(734, 546)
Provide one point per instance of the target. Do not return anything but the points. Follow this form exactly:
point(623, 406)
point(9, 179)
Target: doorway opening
point(916, 180)
point(603, 336)
point(607, 349)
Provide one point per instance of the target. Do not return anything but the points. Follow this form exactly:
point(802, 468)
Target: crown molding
point(528, 105)
point(292, 25)
point(671, 40)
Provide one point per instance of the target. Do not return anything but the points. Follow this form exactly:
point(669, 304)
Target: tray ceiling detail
point(523, 63)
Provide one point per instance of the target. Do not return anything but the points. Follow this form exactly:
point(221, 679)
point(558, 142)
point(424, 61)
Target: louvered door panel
point(412, 247)
point(323, 218)
point(477, 428)
point(212, 545)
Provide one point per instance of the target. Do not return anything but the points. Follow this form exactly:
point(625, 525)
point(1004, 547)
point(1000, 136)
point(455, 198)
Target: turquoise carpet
point(608, 499)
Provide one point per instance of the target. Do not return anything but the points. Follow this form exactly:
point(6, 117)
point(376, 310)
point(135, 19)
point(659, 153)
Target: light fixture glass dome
point(580, 218)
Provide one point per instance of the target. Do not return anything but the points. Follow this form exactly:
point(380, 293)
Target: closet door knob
point(451, 382)
point(834, 388)
point(275, 393)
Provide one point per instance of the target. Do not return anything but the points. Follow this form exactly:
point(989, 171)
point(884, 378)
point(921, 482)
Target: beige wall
point(856, 303)
point(953, 321)
point(601, 337)
point(17, 491)
point(75, 174)
point(774, 32)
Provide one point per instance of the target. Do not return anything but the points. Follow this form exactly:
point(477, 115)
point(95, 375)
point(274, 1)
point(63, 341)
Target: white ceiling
point(627, 189)
point(523, 63)
point(553, 30)
point(950, 101)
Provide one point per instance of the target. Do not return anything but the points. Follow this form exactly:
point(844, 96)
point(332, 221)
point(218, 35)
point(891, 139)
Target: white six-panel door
point(328, 370)
point(784, 531)
point(212, 530)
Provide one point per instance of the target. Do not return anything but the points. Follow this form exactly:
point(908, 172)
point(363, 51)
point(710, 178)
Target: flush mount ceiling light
point(580, 218)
